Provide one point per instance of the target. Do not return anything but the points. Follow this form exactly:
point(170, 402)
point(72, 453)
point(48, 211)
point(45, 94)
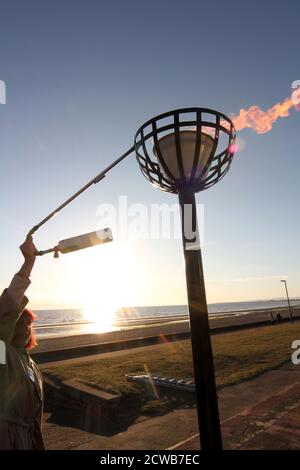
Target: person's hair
point(32, 342)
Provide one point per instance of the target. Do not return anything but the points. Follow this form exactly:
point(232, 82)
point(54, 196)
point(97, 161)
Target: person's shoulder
point(9, 305)
point(6, 302)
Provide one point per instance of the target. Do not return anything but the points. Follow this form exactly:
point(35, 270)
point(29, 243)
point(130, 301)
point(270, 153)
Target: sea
point(66, 322)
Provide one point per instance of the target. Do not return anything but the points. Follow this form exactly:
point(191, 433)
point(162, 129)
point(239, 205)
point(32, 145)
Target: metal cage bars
point(216, 166)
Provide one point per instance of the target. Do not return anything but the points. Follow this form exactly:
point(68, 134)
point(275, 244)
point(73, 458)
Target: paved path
point(262, 413)
point(180, 425)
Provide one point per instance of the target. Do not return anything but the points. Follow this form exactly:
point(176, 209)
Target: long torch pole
point(95, 180)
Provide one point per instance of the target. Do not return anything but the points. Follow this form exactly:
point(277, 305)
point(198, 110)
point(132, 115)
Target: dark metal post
point(207, 401)
point(288, 299)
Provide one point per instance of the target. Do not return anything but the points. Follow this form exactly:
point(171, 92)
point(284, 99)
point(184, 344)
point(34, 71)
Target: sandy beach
point(174, 326)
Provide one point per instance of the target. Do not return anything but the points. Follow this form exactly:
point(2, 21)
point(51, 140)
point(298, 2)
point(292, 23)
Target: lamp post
point(183, 152)
point(288, 299)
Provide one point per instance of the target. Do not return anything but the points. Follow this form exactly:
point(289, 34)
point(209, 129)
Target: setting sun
point(105, 282)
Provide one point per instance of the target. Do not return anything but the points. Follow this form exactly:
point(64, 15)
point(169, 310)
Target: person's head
point(24, 335)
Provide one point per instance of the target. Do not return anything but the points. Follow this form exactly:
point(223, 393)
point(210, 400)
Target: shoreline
point(145, 322)
point(50, 349)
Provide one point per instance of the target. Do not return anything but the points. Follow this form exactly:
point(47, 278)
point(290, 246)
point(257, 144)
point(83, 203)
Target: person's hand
point(28, 249)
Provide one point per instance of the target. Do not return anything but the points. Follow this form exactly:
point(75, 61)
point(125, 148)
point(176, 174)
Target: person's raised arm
point(28, 250)
point(13, 300)
point(21, 281)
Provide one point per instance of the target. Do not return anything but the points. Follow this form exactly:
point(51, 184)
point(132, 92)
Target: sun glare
point(106, 280)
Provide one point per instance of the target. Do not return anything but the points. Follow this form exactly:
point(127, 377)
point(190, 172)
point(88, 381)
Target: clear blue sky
point(81, 78)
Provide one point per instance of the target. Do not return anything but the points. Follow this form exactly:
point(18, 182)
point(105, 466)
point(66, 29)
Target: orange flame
point(262, 121)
